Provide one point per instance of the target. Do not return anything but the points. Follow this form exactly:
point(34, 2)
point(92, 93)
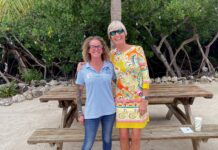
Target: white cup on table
point(198, 123)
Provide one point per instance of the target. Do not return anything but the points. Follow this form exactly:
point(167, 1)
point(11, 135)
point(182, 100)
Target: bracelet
point(145, 97)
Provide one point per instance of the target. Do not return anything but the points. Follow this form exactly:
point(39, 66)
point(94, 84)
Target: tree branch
point(31, 56)
point(170, 50)
point(4, 77)
point(159, 54)
point(210, 66)
point(193, 38)
point(208, 50)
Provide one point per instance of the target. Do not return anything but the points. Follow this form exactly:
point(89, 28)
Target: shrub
point(8, 90)
point(31, 74)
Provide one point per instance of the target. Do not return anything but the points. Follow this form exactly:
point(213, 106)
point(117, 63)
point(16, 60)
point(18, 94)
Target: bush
point(8, 90)
point(31, 74)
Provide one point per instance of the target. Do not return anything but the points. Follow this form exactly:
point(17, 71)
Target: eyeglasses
point(119, 31)
point(95, 46)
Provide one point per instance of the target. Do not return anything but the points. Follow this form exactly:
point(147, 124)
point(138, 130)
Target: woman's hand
point(143, 107)
point(79, 66)
point(81, 119)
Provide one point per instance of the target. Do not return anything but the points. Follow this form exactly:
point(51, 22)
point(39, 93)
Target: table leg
point(63, 117)
point(188, 114)
point(187, 107)
point(63, 123)
point(178, 113)
point(71, 115)
point(59, 146)
point(196, 144)
point(169, 115)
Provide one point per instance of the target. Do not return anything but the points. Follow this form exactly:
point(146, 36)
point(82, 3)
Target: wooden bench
point(59, 135)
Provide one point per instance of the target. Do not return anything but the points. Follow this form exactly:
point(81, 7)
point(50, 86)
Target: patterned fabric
point(132, 76)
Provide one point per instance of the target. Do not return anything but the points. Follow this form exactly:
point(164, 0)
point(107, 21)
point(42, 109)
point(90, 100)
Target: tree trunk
point(115, 10)
point(31, 56)
point(159, 54)
point(115, 13)
point(207, 50)
point(4, 77)
point(205, 58)
point(193, 38)
point(17, 56)
point(170, 50)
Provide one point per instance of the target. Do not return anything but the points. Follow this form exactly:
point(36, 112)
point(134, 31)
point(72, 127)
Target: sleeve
point(79, 78)
point(144, 68)
point(79, 81)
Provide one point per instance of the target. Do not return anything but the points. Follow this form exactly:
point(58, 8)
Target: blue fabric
point(99, 97)
point(91, 127)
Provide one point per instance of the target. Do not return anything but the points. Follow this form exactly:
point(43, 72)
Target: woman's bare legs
point(135, 137)
point(124, 139)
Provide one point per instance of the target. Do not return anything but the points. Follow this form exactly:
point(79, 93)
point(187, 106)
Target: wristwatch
point(145, 97)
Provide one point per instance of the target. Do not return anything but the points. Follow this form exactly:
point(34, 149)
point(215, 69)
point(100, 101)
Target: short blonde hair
point(85, 48)
point(115, 25)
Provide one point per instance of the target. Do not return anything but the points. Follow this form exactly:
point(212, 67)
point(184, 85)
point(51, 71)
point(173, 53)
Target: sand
point(19, 120)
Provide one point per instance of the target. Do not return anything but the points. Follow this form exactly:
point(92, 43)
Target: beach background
point(18, 121)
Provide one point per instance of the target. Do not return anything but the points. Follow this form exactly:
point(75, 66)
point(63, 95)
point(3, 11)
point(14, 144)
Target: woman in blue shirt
point(96, 76)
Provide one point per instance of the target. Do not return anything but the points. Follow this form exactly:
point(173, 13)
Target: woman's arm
point(79, 66)
point(146, 81)
point(79, 104)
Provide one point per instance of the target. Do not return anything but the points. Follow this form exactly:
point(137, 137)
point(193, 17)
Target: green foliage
point(148, 20)
point(8, 90)
point(53, 30)
point(31, 74)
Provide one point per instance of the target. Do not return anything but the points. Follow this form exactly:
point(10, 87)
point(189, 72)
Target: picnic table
point(170, 95)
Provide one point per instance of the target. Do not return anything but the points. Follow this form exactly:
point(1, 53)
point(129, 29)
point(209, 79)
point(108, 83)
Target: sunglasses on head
point(119, 31)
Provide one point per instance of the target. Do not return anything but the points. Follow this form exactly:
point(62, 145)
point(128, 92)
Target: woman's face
point(118, 37)
point(95, 48)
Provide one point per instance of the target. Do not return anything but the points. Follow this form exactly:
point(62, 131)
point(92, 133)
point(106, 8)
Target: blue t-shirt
point(99, 97)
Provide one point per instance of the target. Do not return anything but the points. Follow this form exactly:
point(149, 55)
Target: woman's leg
point(107, 123)
point(124, 139)
point(91, 127)
point(136, 135)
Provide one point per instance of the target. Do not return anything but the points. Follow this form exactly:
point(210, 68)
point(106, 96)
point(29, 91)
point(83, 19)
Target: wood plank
point(57, 135)
point(175, 110)
point(156, 91)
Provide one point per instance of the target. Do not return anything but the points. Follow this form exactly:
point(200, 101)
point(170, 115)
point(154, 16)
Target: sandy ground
point(18, 121)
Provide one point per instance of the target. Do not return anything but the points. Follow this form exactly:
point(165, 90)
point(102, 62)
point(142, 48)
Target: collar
point(106, 64)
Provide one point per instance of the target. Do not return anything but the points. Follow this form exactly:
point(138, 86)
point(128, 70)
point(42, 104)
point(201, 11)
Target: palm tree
point(11, 10)
point(115, 10)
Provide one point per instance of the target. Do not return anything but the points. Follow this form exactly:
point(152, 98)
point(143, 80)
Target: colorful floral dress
point(132, 76)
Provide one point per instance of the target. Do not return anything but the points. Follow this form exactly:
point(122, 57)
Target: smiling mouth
point(118, 39)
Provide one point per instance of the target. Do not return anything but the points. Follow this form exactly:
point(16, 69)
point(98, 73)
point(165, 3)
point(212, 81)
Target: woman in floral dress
point(131, 87)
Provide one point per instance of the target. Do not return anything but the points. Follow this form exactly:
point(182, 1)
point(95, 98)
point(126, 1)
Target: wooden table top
point(155, 91)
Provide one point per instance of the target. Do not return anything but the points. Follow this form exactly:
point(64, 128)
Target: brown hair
point(85, 48)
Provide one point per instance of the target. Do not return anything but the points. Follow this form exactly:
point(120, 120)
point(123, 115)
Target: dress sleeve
point(143, 67)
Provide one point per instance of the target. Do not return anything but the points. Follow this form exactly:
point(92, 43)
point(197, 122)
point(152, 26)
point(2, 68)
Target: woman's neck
point(123, 47)
point(96, 61)
point(96, 64)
